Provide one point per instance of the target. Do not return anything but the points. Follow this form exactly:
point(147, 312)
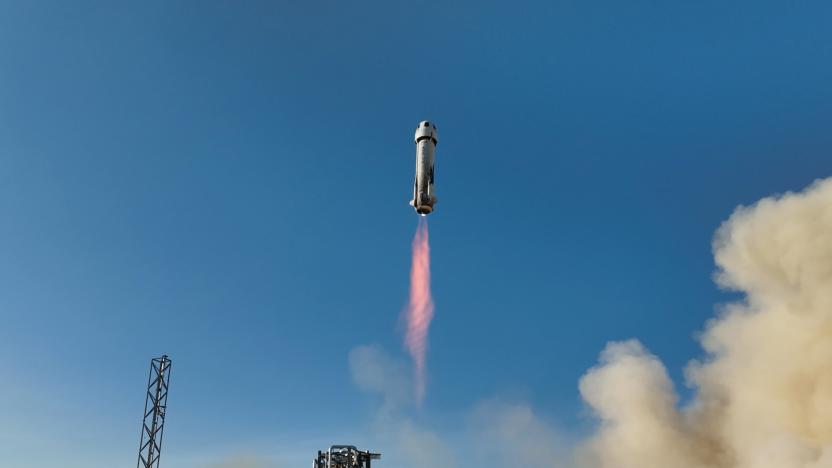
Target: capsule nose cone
point(426, 129)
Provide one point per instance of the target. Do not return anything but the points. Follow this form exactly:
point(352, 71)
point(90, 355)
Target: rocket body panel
point(424, 196)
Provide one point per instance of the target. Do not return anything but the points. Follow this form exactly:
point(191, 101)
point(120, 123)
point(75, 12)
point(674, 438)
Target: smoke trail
point(419, 310)
point(764, 392)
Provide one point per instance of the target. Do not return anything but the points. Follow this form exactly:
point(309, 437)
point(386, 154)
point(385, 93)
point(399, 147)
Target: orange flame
point(420, 308)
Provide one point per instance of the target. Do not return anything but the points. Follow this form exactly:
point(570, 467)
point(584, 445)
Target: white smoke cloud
point(633, 396)
point(417, 447)
point(375, 371)
point(512, 435)
point(408, 445)
point(764, 389)
point(497, 434)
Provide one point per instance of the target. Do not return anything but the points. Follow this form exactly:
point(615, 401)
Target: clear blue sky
point(227, 182)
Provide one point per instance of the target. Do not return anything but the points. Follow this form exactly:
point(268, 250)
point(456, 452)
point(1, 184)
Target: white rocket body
point(424, 196)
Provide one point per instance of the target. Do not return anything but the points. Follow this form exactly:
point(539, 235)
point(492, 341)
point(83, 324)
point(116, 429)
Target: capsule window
point(427, 124)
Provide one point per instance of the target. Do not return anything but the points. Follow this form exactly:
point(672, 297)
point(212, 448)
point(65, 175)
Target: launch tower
point(153, 423)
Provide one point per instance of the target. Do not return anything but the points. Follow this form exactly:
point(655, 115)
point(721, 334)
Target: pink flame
point(420, 308)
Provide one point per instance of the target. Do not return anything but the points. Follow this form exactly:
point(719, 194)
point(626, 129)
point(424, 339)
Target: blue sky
point(227, 183)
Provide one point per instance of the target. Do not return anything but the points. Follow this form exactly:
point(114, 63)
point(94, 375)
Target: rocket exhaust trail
point(419, 310)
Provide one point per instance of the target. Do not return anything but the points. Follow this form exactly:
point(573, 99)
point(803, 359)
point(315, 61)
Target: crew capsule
point(424, 196)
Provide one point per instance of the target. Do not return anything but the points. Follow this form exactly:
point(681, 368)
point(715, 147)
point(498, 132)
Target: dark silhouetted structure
point(153, 423)
point(344, 456)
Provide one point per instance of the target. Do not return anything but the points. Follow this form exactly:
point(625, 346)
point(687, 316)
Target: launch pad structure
point(344, 456)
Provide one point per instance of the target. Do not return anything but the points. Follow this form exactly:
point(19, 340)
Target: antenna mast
point(153, 423)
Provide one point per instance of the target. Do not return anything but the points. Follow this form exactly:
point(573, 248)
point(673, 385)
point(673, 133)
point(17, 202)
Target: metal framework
point(344, 456)
point(153, 423)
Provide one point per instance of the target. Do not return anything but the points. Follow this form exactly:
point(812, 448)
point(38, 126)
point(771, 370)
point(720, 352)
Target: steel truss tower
point(153, 424)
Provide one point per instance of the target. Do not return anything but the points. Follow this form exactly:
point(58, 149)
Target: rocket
point(424, 196)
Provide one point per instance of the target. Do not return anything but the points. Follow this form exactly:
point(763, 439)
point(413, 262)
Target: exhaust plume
point(763, 393)
point(419, 310)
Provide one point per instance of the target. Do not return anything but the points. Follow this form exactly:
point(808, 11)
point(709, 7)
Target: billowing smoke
point(405, 443)
point(419, 310)
point(763, 393)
